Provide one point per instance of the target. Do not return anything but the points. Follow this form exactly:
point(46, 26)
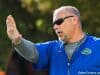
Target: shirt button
point(68, 64)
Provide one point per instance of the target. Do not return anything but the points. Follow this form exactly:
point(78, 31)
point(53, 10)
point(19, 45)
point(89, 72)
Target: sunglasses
point(61, 20)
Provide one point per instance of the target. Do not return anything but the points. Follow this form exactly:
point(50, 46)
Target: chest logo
point(86, 51)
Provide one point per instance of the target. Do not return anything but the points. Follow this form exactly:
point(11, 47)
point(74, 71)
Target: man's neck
point(77, 37)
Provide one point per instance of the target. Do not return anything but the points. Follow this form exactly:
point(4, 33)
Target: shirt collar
point(62, 43)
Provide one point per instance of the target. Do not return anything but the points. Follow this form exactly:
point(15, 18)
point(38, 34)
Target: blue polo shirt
point(84, 61)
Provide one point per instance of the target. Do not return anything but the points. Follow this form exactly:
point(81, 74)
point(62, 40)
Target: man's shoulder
point(94, 39)
point(49, 42)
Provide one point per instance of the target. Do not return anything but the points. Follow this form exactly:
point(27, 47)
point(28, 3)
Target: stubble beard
point(63, 38)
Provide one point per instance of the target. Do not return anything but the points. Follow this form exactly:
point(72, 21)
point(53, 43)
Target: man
point(73, 53)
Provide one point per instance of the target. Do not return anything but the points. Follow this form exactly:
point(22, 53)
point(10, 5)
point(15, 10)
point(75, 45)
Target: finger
point(10, 22)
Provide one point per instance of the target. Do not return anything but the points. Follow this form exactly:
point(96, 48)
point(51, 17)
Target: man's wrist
point(17, 42)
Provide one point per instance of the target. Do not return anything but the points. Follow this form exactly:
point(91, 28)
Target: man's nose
point(55, 26)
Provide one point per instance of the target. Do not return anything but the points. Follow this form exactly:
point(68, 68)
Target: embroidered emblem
point(86, 51)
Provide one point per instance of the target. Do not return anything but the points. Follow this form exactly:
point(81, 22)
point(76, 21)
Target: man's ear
point(75, 20)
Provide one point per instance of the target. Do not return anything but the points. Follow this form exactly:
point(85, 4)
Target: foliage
point(34, 20)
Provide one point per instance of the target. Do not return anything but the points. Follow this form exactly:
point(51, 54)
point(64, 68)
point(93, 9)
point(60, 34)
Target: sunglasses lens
point(58, 22)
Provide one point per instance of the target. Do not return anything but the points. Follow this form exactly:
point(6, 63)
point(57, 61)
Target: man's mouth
point(59, 32)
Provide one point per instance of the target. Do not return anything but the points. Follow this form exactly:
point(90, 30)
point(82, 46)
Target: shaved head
point(67, 9)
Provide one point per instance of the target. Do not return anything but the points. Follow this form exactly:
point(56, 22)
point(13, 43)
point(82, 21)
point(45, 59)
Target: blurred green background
point(34, 20)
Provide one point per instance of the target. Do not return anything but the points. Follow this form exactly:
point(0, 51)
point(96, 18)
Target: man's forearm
point(27, 50)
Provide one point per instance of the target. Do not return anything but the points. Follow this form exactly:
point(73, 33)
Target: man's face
point(63, 25)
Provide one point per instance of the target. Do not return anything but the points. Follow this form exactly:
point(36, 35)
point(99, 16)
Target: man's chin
point(63, 39)
point(60, 38)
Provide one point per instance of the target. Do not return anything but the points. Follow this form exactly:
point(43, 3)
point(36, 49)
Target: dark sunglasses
point(61, 20)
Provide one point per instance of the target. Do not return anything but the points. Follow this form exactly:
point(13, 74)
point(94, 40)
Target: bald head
point(67, 9)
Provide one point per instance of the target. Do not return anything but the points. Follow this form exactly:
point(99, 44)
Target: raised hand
point(12, 31)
